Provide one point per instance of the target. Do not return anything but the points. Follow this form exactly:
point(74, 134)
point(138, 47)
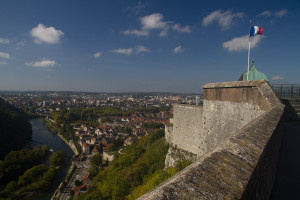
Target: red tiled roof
point(78, 188)
point(95, 149)
point(85, 177)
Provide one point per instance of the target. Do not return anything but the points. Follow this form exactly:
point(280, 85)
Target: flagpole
point(249, 52)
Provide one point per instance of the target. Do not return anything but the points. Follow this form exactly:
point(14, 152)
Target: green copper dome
point(254, 74)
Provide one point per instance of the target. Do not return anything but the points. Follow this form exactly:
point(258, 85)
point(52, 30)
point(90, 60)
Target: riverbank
point(42, 135)
point(48, 123)
point(70, 144)
point(58, 192)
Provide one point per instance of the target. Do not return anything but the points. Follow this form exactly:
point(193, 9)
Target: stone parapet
point(236, 136)
point(257, 93)
point(241, 167)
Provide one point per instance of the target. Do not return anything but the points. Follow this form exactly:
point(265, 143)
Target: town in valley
point(101, 124)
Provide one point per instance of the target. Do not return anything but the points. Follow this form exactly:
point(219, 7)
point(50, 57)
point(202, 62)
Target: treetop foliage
point(137, 171)
point(16, 163)
point(153, 125)
point(23, 174)
point(133, 168)
point(85, 114)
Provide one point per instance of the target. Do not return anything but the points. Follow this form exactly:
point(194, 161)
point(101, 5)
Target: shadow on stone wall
point(262, 179)
point(243, 165)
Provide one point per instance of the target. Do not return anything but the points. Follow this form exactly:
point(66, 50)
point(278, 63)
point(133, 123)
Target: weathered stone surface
point(227, 171)
point(227, 108)
point(222, 119)
point(175, 154)
point(234, 84)
point(252, 92)
point(187, 128)
point(236, 137)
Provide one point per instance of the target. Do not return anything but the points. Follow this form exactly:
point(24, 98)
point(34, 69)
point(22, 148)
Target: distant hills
point(68, 93)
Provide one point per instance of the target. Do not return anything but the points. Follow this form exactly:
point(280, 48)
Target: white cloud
point(179, 28)
point(155, 22)
point(225, 19)
point(141, 49)
point(241, 43)
point(137, 9)
point(137, 50)
point(178, 49)
point(4, 41)
point(164, 32)
point(97, 55)
point(281, 13)
point(4, 55)
point(136, 32)
point(45, 34)
point(268, 13)
point(277, 78)
point(2, 63)
point(21, 43)
point(123, 51)
point(43, 63)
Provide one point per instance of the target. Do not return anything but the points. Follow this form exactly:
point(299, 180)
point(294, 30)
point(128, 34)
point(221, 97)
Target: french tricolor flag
point(254, 30)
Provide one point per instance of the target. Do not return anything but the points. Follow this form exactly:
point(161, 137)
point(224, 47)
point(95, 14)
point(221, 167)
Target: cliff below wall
point(227, 107)
point(236, 138)
point(242, 167)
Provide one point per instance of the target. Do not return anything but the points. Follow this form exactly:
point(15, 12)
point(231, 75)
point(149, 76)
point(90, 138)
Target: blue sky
point(126, 46)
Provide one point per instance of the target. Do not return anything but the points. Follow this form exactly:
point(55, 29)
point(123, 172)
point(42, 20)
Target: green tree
point(72, 193)
point(32, 174)
point(107, 120)
point(96, 161)
point(125, 130)
point(78, 183)
point(139, 162)
point(15, 128)
point(9, 189)
point(17, 162)
point(116, 144)
point(153, 125)
point(57, 158)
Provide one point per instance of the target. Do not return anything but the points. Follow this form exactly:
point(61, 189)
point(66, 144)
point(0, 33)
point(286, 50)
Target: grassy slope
point(136, 172)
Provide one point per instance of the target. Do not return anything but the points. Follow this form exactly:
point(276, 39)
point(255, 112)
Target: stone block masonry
point(187, 128)
point(223, 118)
point(227, 107)
point(236, 137)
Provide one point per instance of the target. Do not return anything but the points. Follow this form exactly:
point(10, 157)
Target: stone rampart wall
point(236, 137)
point(227, 107)
point(187, 128)
point(222, 119)
point(242, 167)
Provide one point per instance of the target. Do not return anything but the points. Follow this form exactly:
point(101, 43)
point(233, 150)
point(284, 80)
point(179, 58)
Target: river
point(40, 136)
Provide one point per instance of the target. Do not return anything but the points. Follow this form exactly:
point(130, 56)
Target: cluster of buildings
point(43, 103)
point(110, 134)
point(100, 138)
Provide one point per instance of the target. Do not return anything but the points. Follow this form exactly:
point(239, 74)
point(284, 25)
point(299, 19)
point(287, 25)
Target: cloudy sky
point(125, 46)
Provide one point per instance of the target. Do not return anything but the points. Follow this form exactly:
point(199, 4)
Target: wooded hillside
point(15, 128)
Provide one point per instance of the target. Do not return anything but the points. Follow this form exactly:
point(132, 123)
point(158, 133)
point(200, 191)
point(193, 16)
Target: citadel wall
point(236, 138)
point(227, 107)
